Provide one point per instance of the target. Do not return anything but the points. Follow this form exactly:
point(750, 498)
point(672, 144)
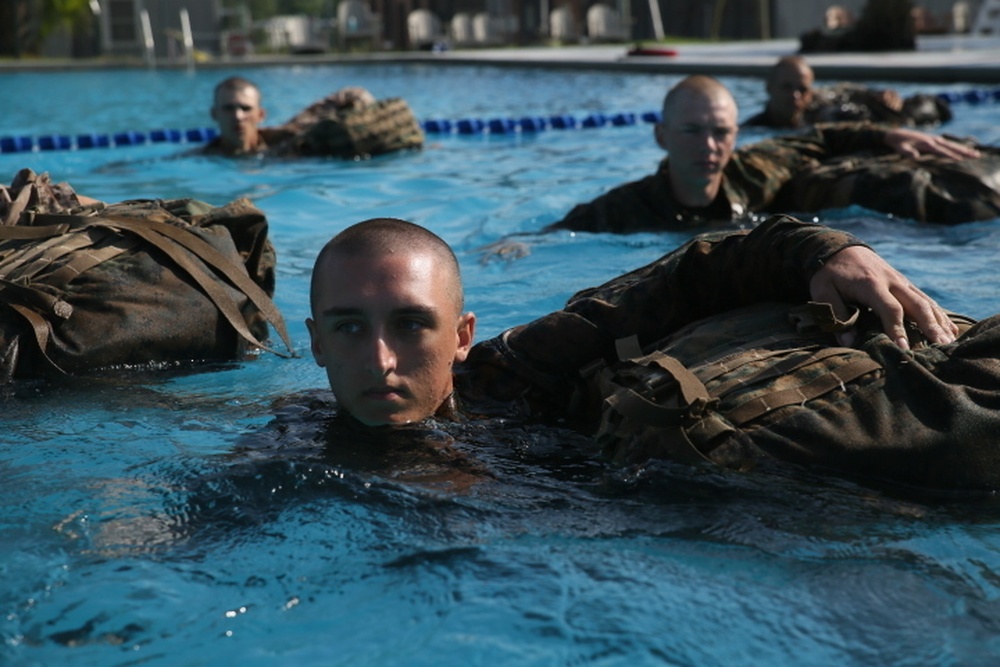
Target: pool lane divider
point(65, 142)
point(462, 126)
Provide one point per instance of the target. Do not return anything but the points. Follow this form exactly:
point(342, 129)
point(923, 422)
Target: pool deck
point(940, 59)
point(937, 59)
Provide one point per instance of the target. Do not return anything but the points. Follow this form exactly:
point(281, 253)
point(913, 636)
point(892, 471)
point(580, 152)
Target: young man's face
point(699, 135)
point(790, 92)
point(388, 330)
point(238, 114)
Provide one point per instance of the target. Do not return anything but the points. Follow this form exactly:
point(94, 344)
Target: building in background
point(225, 28)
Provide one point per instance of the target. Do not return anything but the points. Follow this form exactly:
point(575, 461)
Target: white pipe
point(147, 34)
point(654, 12)
point(188, 38)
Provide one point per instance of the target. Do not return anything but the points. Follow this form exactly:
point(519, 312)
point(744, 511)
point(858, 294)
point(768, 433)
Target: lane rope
point(462, 126)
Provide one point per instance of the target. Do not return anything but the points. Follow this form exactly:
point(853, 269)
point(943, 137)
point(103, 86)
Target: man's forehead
point(705, 108)
point(410, 272)
point(243, 93)
point(793, 73)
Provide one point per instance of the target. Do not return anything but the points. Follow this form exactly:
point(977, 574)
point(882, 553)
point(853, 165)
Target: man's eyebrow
point(340, 311)
point(347, 311)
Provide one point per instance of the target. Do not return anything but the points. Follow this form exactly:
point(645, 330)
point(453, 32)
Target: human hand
point(890, 98)
point(856, 275)
point(913, 143)
point(351, 97)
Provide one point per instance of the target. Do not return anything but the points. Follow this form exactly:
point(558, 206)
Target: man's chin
point(377, 419)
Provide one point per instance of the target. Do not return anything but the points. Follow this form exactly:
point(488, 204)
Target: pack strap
point(167, 237)
point(41, 328)
point(789, 365)
point(26, 262)
point(17, 232)
point(837, 378)
point(17, 206)
point(686, 400)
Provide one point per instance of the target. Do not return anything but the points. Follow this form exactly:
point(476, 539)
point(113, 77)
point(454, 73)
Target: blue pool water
point(131, 534)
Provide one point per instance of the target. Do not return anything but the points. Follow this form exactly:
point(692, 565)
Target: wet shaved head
point(697, 86)
point(790, 63)
point(387, 236)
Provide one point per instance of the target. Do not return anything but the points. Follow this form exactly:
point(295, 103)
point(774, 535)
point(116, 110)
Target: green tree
point(56, 13)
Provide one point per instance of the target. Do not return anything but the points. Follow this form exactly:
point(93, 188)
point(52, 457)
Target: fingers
point(856, 275)
point(912, 143)
point(950, 149)
point(931, 319)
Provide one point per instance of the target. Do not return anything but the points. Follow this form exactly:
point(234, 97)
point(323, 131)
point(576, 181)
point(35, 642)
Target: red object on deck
point(651, 51)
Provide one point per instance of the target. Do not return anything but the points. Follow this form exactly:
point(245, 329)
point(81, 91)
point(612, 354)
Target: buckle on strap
point(819, 316)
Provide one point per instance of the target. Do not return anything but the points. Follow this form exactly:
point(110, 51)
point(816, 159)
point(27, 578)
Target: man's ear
point(659, 131)
point(466, 334)
point(314, 346)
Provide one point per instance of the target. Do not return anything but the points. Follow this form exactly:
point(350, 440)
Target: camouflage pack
point(135, 283)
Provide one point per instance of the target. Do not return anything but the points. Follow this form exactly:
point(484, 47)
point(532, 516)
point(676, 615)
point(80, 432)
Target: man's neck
point(694, 196)
point(249, 147)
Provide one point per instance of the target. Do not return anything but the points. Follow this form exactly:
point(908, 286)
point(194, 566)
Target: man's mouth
point(384, 393)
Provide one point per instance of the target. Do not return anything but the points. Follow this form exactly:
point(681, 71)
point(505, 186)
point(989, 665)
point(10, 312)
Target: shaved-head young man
point(237, 110)
point(733, 368)
point(698, 131)
point(704, 178)
point(387, 321)
point(793, 101)
point(789, 92)
point(389, 324)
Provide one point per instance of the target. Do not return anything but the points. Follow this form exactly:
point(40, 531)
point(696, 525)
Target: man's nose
point(382, 358)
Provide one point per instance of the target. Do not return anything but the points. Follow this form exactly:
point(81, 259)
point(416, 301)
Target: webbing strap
point(19, 232)
point(88, 258)
point(68, 246)
point(636, 406)
point(808, 391)
point(35, 299)
point(783, 367)
point(721, 363)
point(692, 390)
point(161, 236)
point(47, 251)
point(41, 328)
point(17, 206)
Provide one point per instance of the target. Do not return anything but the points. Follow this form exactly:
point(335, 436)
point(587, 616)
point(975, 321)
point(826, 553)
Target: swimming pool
point(130, 536)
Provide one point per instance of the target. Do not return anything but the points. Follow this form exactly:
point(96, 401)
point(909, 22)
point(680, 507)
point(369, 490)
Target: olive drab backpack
point(697, 394)
point(382, 127)
point(136, 283)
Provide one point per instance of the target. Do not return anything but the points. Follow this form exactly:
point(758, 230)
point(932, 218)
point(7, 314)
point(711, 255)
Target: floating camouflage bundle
point(85, 287)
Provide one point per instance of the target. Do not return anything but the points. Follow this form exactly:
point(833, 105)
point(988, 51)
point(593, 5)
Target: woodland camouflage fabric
point(742, 369)
point(135, 283)
point(383, 127)
point(848, 102)
point(834, 165)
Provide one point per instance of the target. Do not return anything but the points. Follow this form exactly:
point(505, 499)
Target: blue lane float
point(464, 126)
point(87, 141)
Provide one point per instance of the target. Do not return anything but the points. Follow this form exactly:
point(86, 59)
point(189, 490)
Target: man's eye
point(347, 327)
point(411, 325)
